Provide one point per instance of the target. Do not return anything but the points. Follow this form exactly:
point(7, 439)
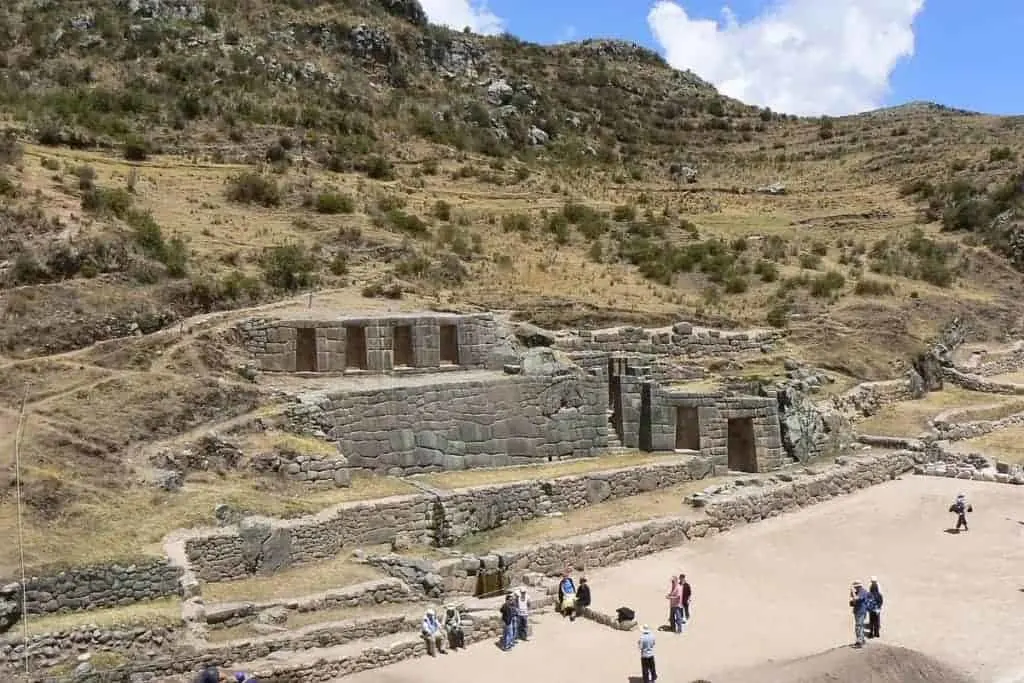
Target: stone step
point(315, 665)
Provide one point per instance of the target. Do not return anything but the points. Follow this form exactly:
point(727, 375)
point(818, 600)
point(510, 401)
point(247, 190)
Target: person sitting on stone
point(567, 597)
point(208, 675)
point(582, 596)
point(453, 627)
point(431, 632)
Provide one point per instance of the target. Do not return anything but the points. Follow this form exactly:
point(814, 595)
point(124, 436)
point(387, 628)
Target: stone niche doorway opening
point(305, 349)
point(687, 429)
point(402, 346)
point(355, 347)
point(449, 343)
point(741, 444)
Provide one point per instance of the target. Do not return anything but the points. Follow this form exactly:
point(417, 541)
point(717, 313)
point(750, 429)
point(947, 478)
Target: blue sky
point(965, 54)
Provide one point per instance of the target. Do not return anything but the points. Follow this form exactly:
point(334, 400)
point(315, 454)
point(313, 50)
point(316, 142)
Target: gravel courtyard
point(778, 590)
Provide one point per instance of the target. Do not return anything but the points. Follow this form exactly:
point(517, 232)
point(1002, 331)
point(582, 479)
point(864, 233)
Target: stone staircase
point(333, 662)
point(614, 442)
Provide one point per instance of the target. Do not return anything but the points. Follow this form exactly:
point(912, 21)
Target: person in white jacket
point(522, 614)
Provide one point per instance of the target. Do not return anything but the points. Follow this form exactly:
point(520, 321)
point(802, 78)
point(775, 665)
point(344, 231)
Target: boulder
point(531, 336)
point(10, 606)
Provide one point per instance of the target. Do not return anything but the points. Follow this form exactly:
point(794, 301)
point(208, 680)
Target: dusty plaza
point(777, 591)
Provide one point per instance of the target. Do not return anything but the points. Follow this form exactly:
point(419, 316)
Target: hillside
point(167, 160)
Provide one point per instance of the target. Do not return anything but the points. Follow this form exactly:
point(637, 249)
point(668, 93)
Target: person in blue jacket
point(859, 605)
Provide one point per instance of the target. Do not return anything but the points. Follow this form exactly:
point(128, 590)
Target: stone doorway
point(355, 348)
point(741, 445)
point(615, 395)
point(646, 435)
point(449, 344)
point(305, 349)
point(687, 429)
point(402, 346)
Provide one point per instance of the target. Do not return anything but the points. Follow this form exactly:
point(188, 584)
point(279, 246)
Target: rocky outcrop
point(10, 606)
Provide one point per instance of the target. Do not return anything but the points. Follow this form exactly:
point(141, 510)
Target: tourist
point(675, 606)
point(431, 631)
point(453, 627)
point(961, 507)
point(567, 597)
point(858, 602)
point(874, 609)
point(687, 594)
point(508, 621)
point(242, 677)
point(647, 671)
point(208, 675)
point(582, 596)
point(522, 614)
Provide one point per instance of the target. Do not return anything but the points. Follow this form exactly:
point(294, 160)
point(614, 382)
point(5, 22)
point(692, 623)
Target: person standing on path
point(874, 609)
point(648, 672)
point(858, 603)
point(675, 606)
point(961, 507)
point(508, 621)
point(687, 593)
point(522, 614)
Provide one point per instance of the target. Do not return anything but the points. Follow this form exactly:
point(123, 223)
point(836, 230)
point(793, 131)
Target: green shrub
point(288, 267)
point(516, 222)
point(624, 213)
point(872, 287)
point(115, 202)
point(410, 224)
point(250, 187)
point(767, 270)
point(334, 203)
point(442, 210)
point(827, 284)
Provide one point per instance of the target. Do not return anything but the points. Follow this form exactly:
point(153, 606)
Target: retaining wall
point(681, 339)
point(978, 383)
point(263, 547)
point(510, 420)
point(631, 541)
point(49, 649)
point(275, 345)
point(102, 585)
point(866, 399)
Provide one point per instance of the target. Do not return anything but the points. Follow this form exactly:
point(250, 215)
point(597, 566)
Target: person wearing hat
point(522, 614)
point(874, 609)
point(431, 632)
point(648, 673)
point(567, 597)
point(209, 674)
point(453, 627)
point(858, 602)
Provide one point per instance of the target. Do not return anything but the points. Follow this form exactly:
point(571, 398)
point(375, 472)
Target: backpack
point(625, 614)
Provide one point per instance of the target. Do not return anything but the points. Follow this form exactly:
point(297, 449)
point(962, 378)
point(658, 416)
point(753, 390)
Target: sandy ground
point(778, 590)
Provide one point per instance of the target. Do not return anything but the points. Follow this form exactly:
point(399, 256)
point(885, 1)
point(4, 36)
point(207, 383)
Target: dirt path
point(778, 590)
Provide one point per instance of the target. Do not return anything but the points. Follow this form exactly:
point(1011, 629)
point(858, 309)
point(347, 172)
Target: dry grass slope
point(158, 167)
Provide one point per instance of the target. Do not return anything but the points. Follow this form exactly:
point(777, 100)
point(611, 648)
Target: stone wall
point(368, 594)
point(510, 420)
point(50, 649)
point(995, 362)
point(262, 547)
point(681, 339)
point(979, 383)
point(278, 345)
point(316, 470)
point(714, 413)
point(631, 541)
point(100, 586)
point(864, 400)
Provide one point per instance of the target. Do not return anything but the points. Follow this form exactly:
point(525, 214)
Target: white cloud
point(805, 57)
point(458, 14)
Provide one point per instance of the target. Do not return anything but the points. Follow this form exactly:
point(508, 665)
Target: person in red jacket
point(687, 592)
